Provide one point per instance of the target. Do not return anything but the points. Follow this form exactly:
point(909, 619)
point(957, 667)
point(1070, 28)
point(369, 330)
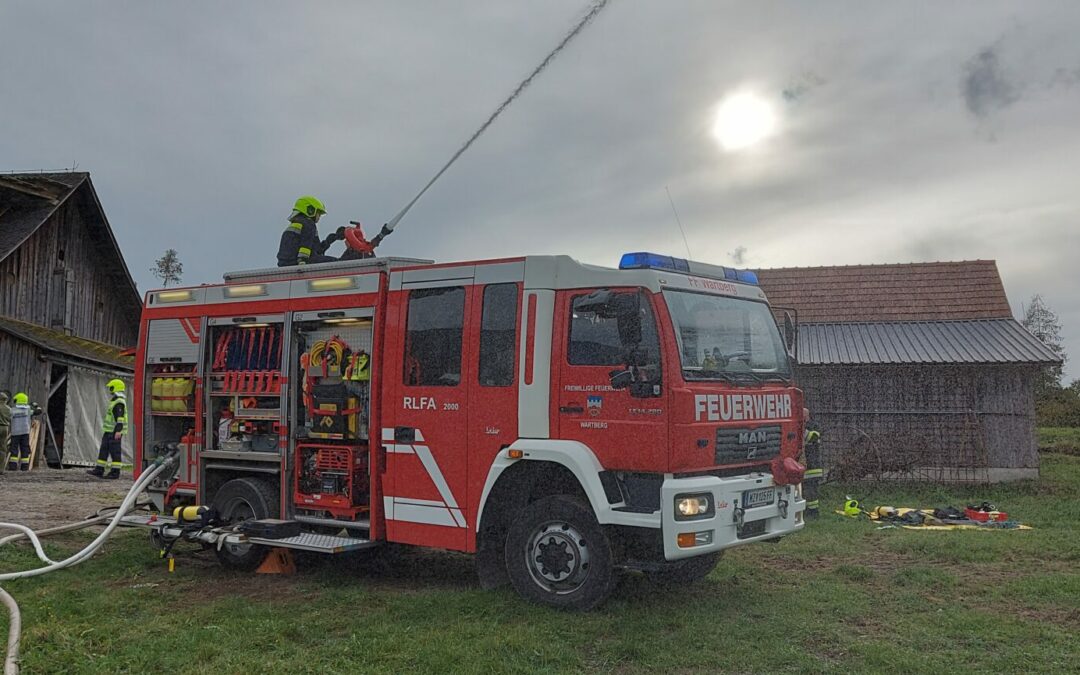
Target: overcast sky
point(906, 131)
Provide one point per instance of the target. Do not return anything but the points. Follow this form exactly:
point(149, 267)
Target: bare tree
point(168, 268)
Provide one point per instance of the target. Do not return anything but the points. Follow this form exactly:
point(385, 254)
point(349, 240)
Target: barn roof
point(28, 199)
point(969, 289)
point(59, 343)
point(982, 341)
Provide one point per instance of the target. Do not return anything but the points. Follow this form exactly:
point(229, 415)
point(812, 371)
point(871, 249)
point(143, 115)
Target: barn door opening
point(55, 416)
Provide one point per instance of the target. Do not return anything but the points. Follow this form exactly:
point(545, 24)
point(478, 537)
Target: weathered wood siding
point(21, 370)
point(63, 277)
point(903, 419)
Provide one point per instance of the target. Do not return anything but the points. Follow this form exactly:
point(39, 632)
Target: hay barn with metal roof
point(914, 371)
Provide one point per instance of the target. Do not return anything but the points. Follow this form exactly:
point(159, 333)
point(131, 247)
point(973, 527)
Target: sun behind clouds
point(743, 119)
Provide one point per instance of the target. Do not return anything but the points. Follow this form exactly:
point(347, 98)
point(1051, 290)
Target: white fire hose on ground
point(11, 663)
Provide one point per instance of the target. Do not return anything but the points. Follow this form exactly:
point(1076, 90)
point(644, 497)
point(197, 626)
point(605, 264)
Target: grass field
point(1060, 439)
point(839, 597)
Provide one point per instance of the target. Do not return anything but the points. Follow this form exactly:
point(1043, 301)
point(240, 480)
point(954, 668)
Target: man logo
point(747, 437)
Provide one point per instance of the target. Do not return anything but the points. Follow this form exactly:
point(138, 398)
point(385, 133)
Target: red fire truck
point(562, 421)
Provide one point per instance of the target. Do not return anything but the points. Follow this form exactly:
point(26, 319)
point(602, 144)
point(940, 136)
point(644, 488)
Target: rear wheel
point(557, 554)
point(236, 501)
point(683, 572)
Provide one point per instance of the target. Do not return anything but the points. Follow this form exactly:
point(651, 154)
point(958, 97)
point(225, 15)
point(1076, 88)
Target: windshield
point(726, 338)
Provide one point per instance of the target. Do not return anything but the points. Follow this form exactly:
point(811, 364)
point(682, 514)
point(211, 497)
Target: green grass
point(841, 596)
point(1065, 440)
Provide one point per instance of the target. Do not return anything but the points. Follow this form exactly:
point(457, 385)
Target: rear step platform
point(305, 541)
point(319, 543)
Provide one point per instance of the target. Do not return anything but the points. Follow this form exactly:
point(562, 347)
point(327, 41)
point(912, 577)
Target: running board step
point(318, 543)
point(305, 541)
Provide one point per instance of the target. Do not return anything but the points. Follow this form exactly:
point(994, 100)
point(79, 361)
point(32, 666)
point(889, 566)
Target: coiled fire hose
point(11, 662)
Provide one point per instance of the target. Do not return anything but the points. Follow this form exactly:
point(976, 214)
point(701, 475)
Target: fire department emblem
point(596, 404)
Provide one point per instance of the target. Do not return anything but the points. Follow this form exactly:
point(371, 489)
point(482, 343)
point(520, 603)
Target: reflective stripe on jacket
point(115, 416)
point(20, 420)
point(298, 241)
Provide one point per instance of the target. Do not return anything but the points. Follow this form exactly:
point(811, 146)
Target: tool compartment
point(331, 472)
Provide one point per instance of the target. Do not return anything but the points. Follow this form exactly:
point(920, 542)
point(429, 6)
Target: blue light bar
point(643, 260)
point(652, 261)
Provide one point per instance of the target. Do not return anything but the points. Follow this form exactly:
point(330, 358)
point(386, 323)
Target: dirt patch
point(46, 497)
point(1062, 616)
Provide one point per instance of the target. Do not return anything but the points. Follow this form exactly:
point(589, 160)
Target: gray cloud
point(985, 86)
point(738, 256)
point(801, 86)
point(200, 134)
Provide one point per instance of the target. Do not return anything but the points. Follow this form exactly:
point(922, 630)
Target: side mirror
point(789, 333)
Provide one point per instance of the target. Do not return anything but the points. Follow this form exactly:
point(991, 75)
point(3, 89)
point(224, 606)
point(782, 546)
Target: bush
point(1058, 408)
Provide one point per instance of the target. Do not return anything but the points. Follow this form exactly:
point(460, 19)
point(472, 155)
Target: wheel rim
point(557, 556)
point(236, 511)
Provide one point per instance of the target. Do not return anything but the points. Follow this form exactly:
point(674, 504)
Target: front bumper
point(783, 516)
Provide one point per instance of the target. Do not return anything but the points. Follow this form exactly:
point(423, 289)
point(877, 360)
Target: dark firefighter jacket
point(300, 243)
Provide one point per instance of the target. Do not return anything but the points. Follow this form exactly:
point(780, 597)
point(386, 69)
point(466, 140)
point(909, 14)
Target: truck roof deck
point(321, 269)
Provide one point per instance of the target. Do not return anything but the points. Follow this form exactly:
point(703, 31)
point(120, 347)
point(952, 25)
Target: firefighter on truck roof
point(112, 430)
point(300, 243)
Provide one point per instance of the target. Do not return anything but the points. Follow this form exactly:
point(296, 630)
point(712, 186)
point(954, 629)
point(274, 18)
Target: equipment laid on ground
point(985, 516)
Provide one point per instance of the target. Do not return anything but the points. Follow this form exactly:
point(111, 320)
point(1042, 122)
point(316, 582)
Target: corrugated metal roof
point(918, 342)
point(57, 342)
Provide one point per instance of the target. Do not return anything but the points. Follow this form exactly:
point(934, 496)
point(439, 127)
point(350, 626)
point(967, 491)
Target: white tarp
point(84, 411)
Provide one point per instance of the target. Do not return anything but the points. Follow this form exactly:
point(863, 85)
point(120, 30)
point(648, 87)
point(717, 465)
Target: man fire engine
point(562, 421)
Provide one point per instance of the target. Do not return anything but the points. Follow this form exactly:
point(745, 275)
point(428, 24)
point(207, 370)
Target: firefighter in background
point(112, 428)
point(300, 243)
point(20, 432)
point(813, 475)
point(5, 429)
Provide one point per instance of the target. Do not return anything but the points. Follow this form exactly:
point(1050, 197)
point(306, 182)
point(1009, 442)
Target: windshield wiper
point(732, 377)
point(774, 377)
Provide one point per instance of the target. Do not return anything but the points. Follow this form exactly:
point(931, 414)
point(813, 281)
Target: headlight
point(693, 507)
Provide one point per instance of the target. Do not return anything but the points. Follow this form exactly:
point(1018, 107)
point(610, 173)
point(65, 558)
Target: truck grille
point(747, 445)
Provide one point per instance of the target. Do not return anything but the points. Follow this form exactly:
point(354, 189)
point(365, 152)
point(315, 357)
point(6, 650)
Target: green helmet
point(115, 386)
point(309, 206)
point(21, 399)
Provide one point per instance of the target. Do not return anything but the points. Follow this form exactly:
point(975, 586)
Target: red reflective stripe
point(530, 340)
point(189, 328)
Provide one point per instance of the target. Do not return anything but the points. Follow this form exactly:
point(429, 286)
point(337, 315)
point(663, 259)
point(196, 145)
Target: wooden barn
point(914, 371)
point(68, 307)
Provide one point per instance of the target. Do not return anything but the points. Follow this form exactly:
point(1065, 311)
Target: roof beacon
point(654, 261)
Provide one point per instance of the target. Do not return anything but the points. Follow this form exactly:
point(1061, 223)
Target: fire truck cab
point(562, 421)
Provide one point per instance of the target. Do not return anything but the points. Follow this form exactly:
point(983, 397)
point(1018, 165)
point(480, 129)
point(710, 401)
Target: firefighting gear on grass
point(21, 414)
point(112, 430)
point(983, 517)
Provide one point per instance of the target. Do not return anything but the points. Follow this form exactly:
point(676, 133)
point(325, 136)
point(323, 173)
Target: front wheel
point(557, 554)
point(684, 572)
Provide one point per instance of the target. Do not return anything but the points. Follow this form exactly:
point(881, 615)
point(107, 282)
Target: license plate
point(761, 497)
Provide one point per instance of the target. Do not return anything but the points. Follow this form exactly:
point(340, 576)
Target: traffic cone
point(280, 561)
